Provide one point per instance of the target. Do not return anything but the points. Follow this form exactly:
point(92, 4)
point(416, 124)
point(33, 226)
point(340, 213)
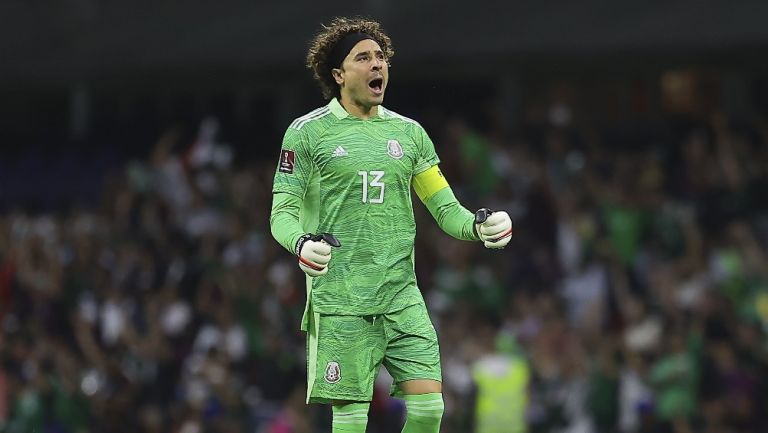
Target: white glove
point(496, 230)
point(314, 253)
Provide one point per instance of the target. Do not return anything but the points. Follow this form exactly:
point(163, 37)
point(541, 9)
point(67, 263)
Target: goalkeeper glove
point(314, 252)
point(493, 228)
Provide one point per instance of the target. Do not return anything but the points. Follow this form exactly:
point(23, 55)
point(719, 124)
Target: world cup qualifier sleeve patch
point(287, 160)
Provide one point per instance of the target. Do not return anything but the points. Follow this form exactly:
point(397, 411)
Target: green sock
point(424, 413)
point(350, 418)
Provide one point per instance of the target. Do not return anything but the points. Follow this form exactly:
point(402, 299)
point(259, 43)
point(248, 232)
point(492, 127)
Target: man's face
point(364, 74)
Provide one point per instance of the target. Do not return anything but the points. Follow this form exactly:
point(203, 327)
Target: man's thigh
point(344, 354)
point(412, 350)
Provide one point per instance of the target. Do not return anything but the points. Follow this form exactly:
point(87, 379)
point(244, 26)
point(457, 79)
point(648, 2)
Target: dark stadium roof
point(50, 42)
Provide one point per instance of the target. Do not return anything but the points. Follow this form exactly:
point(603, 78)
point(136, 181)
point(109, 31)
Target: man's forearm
point(451, 216)
point(284, 220)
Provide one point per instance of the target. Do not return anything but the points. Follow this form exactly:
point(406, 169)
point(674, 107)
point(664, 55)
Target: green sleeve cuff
point(453, 218)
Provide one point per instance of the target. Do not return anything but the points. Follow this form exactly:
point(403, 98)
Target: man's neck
point(358, 110)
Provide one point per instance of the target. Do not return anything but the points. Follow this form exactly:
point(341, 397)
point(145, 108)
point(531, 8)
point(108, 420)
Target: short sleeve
point(294, 167)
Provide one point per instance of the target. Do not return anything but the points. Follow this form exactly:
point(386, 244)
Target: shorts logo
point(287, 158)
point(394, 149)
point(333, 372)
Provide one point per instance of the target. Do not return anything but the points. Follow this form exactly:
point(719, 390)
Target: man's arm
point(453, 218)
point(493, 228)
point(292, 178)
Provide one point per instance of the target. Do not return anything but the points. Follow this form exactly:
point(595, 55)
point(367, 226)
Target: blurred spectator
point(673, 378)
point(501, 376)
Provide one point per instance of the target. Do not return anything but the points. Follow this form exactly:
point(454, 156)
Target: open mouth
point(376, 85)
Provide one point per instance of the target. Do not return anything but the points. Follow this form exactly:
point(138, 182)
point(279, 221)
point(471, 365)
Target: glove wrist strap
point(300, 242)
point(480, 216)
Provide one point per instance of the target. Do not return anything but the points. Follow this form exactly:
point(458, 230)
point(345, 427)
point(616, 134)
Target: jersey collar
point(340, 112)
point(337, 109)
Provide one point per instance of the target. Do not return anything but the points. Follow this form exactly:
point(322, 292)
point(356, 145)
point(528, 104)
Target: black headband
point(344, 46)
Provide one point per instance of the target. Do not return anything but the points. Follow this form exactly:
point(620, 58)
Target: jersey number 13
point(369, 186)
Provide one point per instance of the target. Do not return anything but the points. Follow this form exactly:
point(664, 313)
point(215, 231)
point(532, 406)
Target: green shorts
point(344, 353)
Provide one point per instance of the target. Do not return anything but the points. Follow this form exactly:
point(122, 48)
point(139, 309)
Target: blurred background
point(141, 291)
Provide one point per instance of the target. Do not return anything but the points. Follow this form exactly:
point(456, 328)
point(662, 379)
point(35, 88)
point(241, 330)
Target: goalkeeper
point(342, 205)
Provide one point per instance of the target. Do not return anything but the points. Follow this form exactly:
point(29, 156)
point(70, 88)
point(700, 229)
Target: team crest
point(333, 372)
point(394, 149)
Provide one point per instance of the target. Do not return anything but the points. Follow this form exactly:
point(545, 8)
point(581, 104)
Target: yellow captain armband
point(429, 182)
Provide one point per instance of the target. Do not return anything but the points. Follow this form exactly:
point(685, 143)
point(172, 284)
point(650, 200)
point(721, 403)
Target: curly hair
point(323, 43)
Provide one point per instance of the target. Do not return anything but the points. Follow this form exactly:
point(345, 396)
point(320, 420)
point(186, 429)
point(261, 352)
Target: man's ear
point(338, 75)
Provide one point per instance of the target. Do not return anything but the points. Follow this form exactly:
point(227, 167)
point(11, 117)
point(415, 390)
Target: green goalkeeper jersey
point(354, 178)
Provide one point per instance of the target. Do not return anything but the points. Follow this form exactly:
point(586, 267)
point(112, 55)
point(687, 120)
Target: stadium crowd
point(633, 297)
